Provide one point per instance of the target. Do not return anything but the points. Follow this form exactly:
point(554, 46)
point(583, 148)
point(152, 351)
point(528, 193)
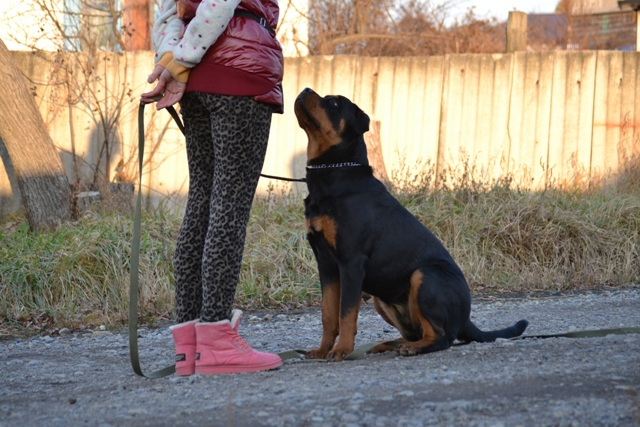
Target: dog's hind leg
point(390, 316)
point(433, 337)
point(380, 308)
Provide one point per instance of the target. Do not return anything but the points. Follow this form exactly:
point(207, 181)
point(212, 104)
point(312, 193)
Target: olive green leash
point(135, 264)
point(358, 353)
point(593, 333)
point(361, 351)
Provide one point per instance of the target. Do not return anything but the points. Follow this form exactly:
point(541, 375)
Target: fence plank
point(432, 100)
point(383, 108)
point(452, 111)
point(399, 145)
point(614, 116)
point(576, 158)
point(343, 72)
point(634, 150)
point(528, 142)
point(585, 107)
point(633, 147)
point(516, 112)
point(607, 115)
point(410, 141)
point(366, 82)
point(480, 143)
point(555, 158)
point(501, 98)
point(627, 108)
point(598, 143)
point(464, 148)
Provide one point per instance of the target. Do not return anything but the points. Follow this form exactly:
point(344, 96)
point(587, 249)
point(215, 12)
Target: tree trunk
point(136, 14)
point(39, 171)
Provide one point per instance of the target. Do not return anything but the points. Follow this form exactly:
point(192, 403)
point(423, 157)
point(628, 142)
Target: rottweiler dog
point(365, 241)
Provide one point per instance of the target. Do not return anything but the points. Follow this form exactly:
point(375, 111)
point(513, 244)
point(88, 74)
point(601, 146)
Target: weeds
point(505, 238)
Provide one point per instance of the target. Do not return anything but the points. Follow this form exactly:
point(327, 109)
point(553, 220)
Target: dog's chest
point(320, 223)
point(325, 226)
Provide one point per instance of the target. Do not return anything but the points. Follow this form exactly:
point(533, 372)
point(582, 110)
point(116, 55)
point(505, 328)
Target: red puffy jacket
point(246, 60)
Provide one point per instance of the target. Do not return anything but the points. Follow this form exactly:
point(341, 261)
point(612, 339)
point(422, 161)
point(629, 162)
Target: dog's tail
point(471, 332)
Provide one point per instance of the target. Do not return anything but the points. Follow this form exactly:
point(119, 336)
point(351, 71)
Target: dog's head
point(329, 122)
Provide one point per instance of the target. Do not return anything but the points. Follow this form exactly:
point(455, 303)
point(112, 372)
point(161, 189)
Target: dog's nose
point(307, 90)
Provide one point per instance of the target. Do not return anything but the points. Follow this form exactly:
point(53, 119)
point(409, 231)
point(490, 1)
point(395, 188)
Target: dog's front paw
point(338, 353)
point(317, 353)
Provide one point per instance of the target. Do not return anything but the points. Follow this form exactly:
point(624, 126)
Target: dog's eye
point(334, 102)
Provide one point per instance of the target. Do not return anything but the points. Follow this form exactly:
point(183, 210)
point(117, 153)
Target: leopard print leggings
point(226, 139)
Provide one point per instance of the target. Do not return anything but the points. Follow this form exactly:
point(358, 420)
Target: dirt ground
point(86, 378)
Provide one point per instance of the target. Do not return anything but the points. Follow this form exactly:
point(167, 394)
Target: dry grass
point(79, 274)
point(506, 239)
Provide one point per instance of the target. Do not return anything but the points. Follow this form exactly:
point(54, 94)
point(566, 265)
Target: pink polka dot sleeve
point(212, 17)
point(167, 29)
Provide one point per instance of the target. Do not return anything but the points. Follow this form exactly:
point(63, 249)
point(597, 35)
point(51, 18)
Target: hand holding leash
point(169, 89)
point(155, 73)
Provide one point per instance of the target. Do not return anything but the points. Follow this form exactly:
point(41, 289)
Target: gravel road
point(86, 379)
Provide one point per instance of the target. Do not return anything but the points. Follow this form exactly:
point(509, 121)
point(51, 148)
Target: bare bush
point(392, 28)
point(87, 35)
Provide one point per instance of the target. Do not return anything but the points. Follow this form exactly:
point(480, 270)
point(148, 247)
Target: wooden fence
point(542, 117)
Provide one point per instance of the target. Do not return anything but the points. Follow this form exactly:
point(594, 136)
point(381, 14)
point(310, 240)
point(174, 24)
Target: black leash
point(180, 125)
point(283, 178)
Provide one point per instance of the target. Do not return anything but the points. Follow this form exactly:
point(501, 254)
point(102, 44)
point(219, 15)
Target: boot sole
point(185, 372)
point(235, 369)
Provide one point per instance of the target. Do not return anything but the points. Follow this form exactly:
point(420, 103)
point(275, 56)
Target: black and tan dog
point(365, 241)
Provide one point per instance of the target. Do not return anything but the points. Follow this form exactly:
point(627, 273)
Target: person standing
point(220, 59)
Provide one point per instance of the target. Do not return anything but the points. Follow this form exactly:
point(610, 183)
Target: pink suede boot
point(220, 350)
point(184, 338)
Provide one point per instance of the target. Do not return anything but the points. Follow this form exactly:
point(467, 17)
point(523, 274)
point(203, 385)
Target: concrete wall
point(544, 117)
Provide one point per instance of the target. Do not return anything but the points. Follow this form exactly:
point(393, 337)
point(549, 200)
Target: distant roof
point(605, 30)
point(547, 25)
point(633, 4)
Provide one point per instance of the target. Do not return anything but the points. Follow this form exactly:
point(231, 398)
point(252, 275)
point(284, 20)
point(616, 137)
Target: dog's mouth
point(313, 118)
point(306, 120)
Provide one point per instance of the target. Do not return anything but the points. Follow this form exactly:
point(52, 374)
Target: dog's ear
point(361, 124)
